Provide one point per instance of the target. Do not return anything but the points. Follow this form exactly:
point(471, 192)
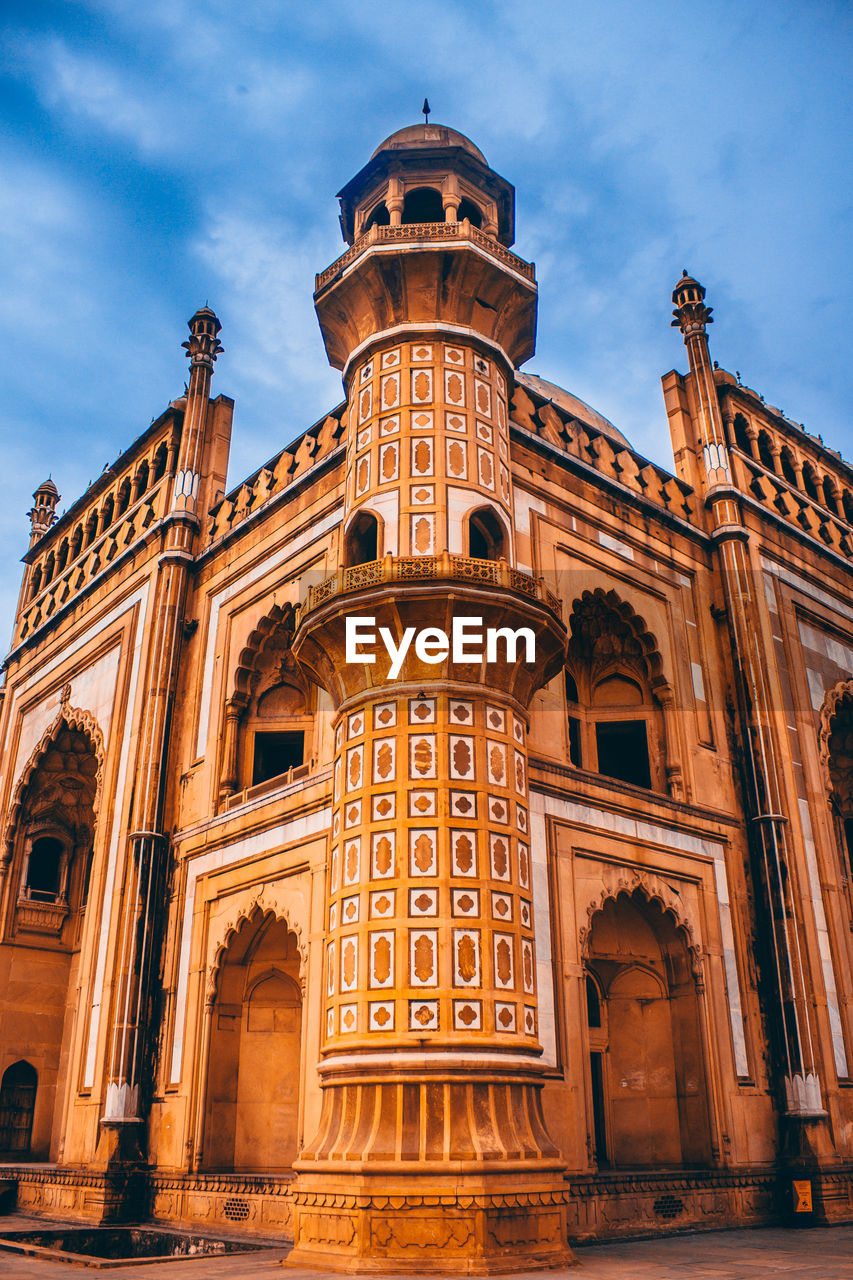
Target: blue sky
point(158, 156)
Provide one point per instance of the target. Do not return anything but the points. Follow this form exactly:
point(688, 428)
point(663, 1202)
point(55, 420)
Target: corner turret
point(43, 513)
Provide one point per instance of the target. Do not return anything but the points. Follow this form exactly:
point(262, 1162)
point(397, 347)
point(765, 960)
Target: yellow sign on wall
point(802, 1197)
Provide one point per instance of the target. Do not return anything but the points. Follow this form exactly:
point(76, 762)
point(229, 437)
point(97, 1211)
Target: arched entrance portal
point(647, 1070)
point(252, 1105)
point(17, 1108)
point(50, 849)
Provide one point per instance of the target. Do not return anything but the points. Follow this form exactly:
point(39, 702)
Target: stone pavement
point(808, 1254)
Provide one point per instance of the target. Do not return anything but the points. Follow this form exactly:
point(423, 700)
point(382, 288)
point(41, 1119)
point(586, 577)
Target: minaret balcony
point(444, 567)
point(407, 594)
point(423, 275)
point(416, 234)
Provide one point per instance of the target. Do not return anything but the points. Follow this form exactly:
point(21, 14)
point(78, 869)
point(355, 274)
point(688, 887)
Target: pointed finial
point(426, 109)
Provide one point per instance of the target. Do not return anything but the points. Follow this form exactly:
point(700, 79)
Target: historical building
point(443, 948)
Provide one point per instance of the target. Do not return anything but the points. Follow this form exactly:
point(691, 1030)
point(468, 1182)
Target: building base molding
point(609, 1206)
point(455, 1230)
point(256, 1204)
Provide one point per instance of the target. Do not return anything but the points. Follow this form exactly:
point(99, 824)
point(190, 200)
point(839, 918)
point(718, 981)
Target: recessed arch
point(620, 722)
point(362, 539)
point(72, 718)
point(378, 216)
point(470, 212)
point(648, 1082)
point(486, 535)
point(423, 204)
point(269, 714)
point(18, 1089)
point(253, 1070)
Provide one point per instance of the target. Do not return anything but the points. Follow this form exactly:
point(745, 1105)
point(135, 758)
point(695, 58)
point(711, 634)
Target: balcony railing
point(444, 567)
point(419, 231)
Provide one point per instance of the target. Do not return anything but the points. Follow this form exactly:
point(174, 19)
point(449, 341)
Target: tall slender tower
point(779, 858)
point(147, 846)
point(432, 1150)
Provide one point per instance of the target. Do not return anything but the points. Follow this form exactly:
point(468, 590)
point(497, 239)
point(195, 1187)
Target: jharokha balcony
point(443, 568)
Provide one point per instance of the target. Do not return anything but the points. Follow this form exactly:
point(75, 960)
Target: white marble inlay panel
point(838, 1049)
point(807, 588)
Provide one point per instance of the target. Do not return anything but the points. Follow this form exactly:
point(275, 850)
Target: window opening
point(362, 540)
point(623, 751)
point(486, 538)
point(44, 869)
point(468, 210)
point(275, 753)
point(379, 217)
point(599, 1123)
point(593, 1004)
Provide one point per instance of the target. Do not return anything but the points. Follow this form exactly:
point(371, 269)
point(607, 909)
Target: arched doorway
point(17, 1109)
point(361, 543)
point(252, 1101)
point(486, 535)
point(646, 1069)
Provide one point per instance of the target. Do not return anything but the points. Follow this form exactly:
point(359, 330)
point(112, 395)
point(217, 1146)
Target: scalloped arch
point(833, 700)
point(656, 891)
point(246, 915)
point(71, 718)
point(604, 613)
point(275, 626)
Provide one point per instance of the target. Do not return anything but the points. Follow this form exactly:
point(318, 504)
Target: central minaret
point(432, 1152)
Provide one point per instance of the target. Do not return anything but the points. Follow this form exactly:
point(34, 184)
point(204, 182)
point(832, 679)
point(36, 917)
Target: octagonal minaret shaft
point(431, 1052)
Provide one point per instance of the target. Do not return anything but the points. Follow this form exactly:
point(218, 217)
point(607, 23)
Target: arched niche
point(362, 539)
point(269, 715)
point(619, 705)
point(647, 1075)
point(252, 1100)
point(486, 535)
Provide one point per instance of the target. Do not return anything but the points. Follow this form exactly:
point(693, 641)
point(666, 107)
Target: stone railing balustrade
point(421, 231)
point(443, 567)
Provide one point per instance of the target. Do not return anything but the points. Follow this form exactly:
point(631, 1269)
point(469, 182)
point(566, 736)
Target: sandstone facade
point(443, 970)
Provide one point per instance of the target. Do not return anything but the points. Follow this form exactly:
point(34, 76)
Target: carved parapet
point(290, 465)
point(421, 591)
point(444, 567)
point(429, 232)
